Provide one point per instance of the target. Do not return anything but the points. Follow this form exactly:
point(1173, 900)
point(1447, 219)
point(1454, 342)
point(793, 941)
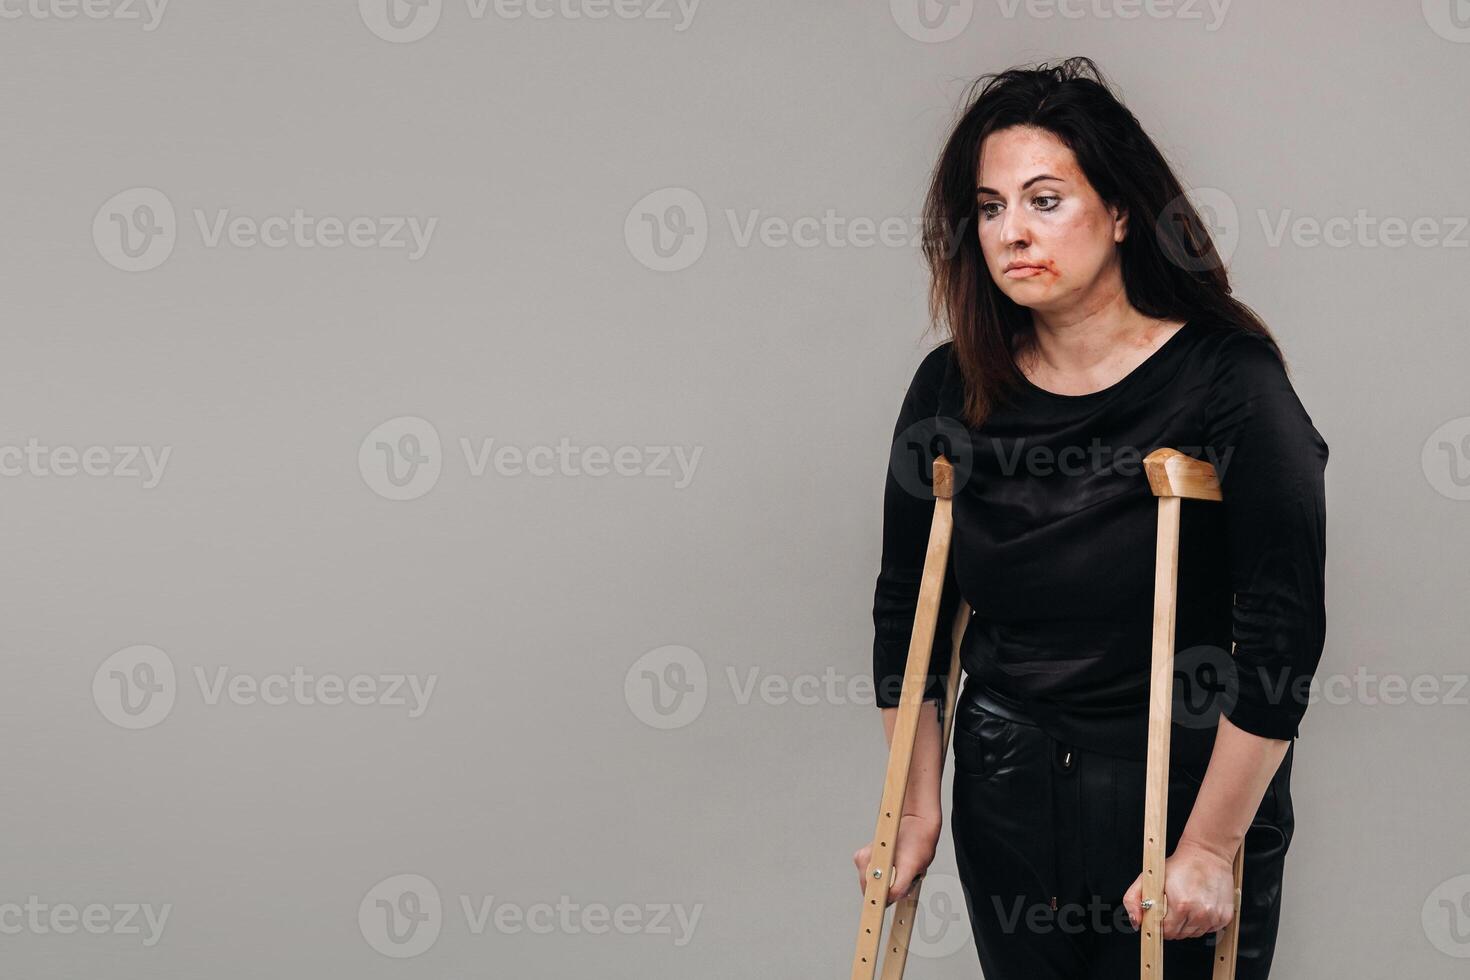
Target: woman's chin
point(1028, 292)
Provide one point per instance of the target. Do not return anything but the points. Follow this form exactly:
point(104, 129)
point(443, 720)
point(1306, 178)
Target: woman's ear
point(1120, 223)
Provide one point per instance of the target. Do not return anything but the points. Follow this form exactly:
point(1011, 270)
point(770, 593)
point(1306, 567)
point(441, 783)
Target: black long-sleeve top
point(1054, 538)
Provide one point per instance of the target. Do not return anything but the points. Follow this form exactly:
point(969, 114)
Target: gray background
point(541, 772)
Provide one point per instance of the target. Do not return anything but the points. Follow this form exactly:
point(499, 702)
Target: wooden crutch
point(1172, 476)
point(901, 750)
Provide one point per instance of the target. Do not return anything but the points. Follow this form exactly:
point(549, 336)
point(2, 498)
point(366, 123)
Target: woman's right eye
point(984, 208)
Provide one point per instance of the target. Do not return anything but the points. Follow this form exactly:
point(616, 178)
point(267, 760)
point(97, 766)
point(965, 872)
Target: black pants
point(1048, 837)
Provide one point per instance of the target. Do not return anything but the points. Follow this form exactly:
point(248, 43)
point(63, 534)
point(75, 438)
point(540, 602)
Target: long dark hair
point(1170, 266)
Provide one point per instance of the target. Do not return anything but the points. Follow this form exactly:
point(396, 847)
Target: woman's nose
point(1013, 229)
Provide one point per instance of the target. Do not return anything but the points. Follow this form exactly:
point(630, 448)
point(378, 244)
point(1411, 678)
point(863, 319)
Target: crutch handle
point(1173, 474)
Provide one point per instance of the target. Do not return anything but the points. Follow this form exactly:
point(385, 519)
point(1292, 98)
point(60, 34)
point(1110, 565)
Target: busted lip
point(1023, 270)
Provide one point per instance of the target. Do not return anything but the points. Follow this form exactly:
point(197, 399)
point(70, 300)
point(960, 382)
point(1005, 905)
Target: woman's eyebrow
point(990, 190)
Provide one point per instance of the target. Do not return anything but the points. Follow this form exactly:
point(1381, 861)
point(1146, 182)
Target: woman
point(1092, 323)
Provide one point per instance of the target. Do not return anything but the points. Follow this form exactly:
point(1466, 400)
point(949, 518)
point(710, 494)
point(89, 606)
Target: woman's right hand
point(918, 840)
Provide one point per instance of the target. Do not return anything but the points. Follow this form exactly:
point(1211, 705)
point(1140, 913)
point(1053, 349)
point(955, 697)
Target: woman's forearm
point(1241, 767)
point(922, 797)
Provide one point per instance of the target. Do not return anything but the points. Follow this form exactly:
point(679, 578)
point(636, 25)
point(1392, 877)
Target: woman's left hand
point(1200, 885)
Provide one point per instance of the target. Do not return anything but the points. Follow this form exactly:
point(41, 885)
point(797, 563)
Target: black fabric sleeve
point(1272, 462)
point(908, 512)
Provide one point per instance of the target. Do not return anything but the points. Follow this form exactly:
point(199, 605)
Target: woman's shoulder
point(934, 369)
point(937, 362)
point(1248, 386)
point(1226, 339)
point(1237, 357)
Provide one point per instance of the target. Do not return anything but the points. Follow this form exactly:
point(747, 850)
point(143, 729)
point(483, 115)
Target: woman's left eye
point(1046, 197)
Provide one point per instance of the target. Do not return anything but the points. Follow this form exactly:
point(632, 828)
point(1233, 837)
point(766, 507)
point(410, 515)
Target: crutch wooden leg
point(896, 949)
point(1172, 476)
point(901, 749)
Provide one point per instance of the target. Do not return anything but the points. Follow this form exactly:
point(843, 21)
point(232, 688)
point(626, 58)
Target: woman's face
point(1049, 241)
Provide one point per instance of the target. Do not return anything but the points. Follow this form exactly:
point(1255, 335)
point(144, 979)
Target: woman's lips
point(1024, 271)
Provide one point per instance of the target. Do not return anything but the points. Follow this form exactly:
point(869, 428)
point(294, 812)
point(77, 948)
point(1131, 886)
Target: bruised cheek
point(1091, 240)
point(1065, 243)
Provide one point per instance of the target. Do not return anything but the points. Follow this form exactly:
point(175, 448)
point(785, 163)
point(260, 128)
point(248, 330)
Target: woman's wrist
point(1222, 848)
point(932, 822)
